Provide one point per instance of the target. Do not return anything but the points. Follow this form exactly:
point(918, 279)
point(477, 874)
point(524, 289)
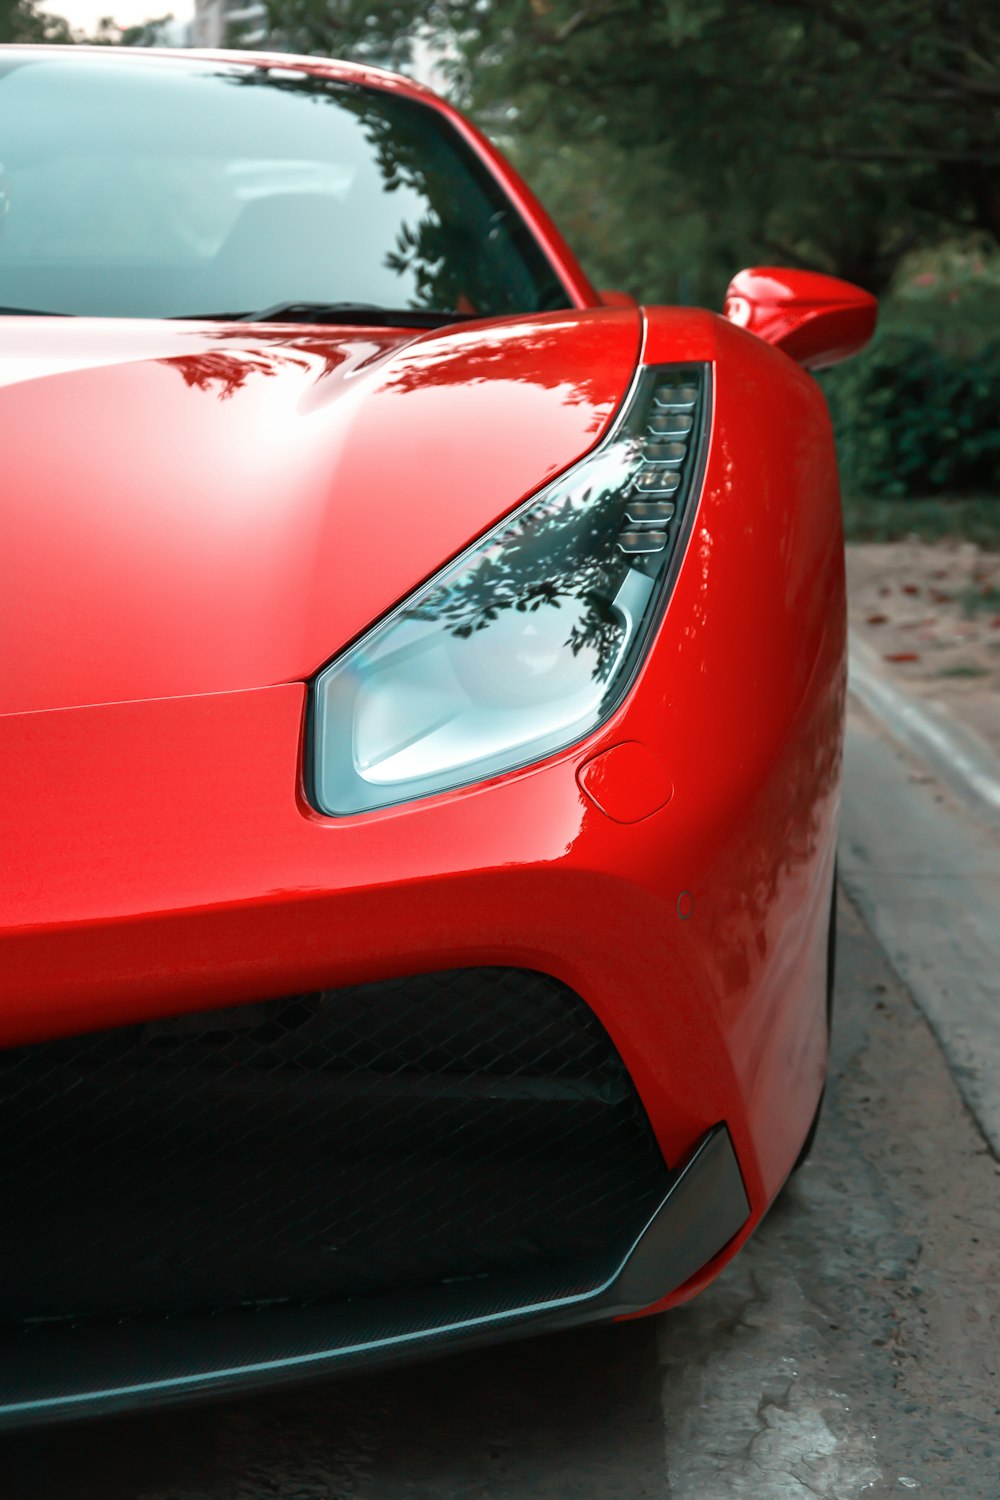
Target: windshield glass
point(151, 188)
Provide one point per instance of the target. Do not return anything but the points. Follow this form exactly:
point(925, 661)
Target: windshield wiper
point(32, 312)
point(364, 313)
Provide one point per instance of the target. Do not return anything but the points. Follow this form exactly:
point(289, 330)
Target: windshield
point(148, 188)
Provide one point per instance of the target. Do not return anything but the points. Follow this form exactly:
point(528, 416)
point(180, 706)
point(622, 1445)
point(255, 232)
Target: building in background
point(223, 23)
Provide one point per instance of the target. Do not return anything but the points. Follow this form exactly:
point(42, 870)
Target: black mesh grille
point(377, 1138)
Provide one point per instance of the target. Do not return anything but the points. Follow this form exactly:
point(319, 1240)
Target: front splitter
point(65, 1371)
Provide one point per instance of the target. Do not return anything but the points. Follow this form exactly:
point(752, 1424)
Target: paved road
point(851, 1350)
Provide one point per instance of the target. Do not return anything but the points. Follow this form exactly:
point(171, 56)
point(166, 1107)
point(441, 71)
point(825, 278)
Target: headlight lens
point(531, 638)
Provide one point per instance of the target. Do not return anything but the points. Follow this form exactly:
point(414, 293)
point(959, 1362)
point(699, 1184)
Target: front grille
point(378, 1138)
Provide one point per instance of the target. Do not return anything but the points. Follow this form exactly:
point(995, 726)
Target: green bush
point(913, 420)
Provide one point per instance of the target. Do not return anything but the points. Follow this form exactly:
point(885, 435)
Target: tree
point(826, 132)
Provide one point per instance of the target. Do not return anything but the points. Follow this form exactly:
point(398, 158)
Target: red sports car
point(421, 705)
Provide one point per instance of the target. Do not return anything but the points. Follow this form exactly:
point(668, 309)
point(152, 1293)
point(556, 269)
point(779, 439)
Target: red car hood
point(197, 508)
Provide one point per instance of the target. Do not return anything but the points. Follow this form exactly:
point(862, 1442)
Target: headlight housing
point(530, 638)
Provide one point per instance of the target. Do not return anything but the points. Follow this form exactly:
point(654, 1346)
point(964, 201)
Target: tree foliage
point(913, 419)
point(22, 21)
point(683, 138)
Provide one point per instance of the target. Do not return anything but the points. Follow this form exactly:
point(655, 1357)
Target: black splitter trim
point(48, 1375)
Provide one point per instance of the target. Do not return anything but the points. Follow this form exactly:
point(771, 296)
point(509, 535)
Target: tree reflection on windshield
point(467, 251)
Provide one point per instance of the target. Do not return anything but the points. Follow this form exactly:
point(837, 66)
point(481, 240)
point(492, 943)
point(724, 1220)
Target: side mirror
point(816, 319)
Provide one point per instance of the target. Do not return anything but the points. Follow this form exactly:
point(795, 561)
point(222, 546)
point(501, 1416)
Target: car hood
point(196, 508)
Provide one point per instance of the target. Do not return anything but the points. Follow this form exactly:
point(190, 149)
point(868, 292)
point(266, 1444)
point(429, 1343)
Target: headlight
point(533, 635)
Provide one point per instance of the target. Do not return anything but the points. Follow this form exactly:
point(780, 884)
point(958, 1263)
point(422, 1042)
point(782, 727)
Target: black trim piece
point(363, 1141)
point(59, 1373)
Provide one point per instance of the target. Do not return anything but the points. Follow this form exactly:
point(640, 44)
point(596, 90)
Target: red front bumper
point(160, 857)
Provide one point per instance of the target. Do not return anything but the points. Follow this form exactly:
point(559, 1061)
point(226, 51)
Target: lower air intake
point(373, 1139)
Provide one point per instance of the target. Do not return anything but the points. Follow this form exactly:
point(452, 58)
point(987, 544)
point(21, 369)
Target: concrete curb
point(956, 753)
point(925, 869)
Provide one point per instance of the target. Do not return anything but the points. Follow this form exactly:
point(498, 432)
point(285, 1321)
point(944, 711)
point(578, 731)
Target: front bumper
point(162, 859)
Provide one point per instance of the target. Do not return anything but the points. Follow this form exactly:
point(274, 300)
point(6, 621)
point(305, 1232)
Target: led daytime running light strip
point(669, 423)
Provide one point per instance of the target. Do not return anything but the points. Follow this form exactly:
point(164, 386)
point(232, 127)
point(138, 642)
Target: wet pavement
point(852, 1349)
